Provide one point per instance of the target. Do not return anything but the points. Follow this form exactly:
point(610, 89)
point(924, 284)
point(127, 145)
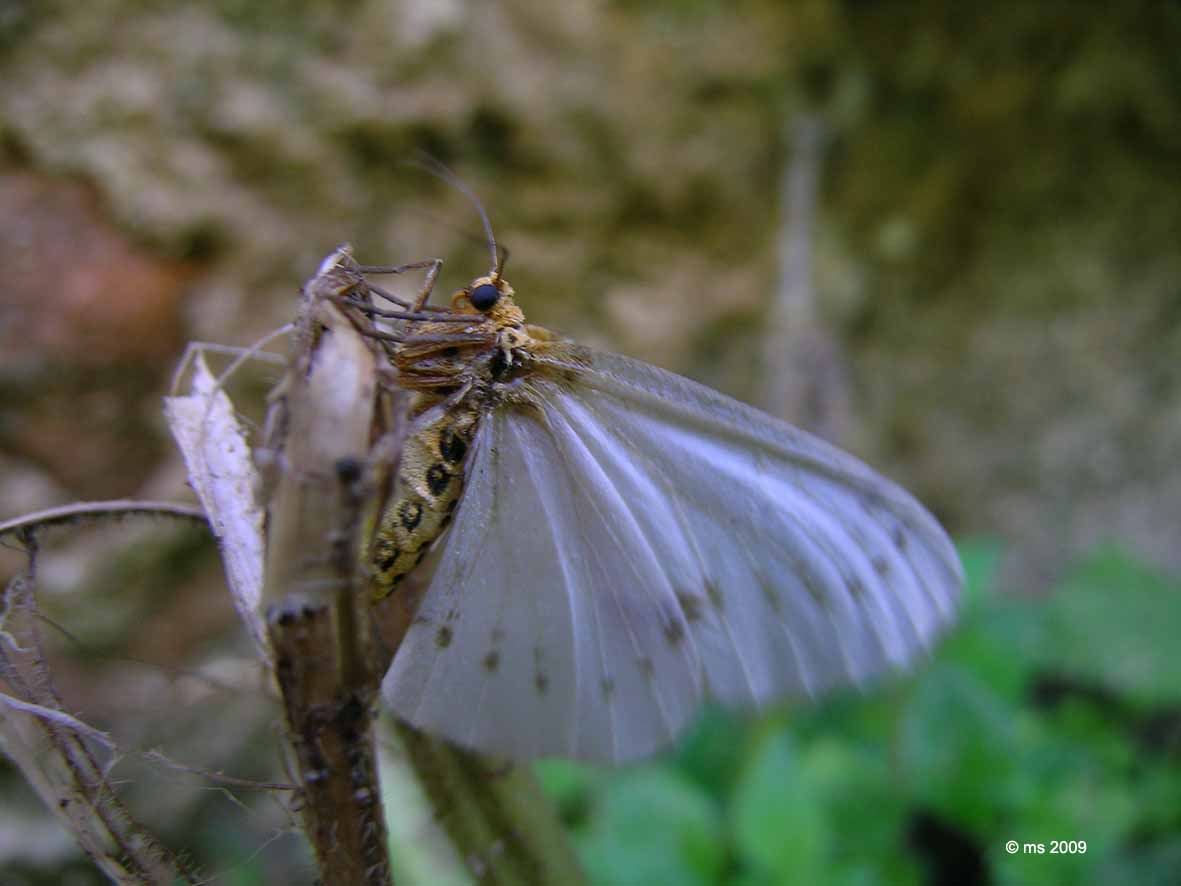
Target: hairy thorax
point(457, 372)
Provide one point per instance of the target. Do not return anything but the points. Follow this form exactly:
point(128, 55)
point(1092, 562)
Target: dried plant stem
point(330, 730)
point(317, 624)
point(804, 374)
point(504, 829)
point(61, 757)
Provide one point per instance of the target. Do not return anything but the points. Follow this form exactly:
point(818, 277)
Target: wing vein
point(621, 505)
point(552, 511)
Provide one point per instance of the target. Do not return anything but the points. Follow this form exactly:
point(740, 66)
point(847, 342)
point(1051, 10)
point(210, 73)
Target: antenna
point(502, 260)
point(436, 168)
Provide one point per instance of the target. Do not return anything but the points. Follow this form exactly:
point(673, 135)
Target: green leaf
point(980, 558)
point(778, 825)
point(1116, 622)
point(712, 753)
point(958, 744)
point(653, 825)
point(569, 785)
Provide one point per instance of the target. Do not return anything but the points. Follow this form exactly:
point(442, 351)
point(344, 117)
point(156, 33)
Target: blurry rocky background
point(994, 318)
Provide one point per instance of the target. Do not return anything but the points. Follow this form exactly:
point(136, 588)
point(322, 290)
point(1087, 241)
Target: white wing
point(638, 541)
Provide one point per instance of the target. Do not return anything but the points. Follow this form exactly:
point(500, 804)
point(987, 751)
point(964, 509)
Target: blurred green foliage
point(1040, 719)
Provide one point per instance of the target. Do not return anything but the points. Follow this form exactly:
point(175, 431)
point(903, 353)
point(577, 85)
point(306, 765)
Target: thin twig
point(254, 351)
point(52, 750)
point(92, 511)
point(60, 718)
point(218, 777)
point(803, 377)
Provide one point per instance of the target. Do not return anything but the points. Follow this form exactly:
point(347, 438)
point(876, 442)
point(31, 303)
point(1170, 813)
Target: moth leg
point(436, 413)
point(442, 338)
point(195, 349)
point(425, 315)
point(399, 269)
point(428, 285)
point(425, 293)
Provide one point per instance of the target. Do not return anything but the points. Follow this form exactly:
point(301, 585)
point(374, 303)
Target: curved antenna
point(436, 168)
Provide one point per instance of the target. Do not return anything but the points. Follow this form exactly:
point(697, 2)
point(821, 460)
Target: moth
point(613, 543)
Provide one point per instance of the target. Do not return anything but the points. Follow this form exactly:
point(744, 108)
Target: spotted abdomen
point(430, 481)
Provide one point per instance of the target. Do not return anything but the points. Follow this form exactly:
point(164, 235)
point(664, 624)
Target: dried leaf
point(221, 472)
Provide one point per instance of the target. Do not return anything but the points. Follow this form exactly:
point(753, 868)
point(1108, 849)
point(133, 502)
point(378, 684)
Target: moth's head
point(491, 296)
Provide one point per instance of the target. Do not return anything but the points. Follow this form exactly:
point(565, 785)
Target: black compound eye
point(484, 296)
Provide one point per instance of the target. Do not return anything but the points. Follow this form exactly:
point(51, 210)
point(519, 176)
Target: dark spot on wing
point(443, 637)
point(646, 667)
point(452, 447)
point(715, 595)
point(880, 565)
point(814, 589)
point(674, 632)
point(437, 479)
point(540, 680)
point(771, 595)
point(492, 661)
point(410, 513)
point(608, 688)
point(899, 538)
point(856, 586)
point(452, 614)
point(690, 605)
point(818, 595)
